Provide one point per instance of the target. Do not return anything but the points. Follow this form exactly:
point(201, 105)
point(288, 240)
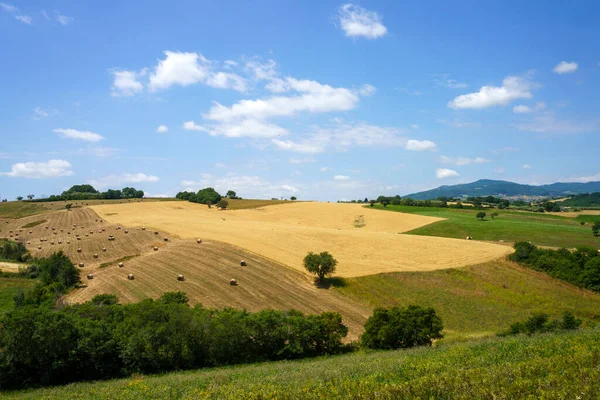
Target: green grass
point(510, 226)
point(122, 259)
point(589, 219)
point(34, 223)
point(19, 209)
point(250, 203)
point(9, 287)
point(552, 366)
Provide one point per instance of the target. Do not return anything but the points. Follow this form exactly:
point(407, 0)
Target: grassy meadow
point(475, 301)
point(510, 226)
point(550, 366)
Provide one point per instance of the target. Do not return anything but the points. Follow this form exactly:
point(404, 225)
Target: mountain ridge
point(500, 188)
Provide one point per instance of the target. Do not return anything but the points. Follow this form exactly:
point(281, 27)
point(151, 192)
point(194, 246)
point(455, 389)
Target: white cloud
point(103, 151)
point(526, 166)
point(420, 145)
point(547, 123)
point(298, 147)
point(26, 19)
point(314, 97)
point(290, 188)
point(513, 88)
point(163, 128)
point(325, 169)
point(40, 112)
point(226, 80)
point(116, 181)
point(40, 170)
point(126, 83)
point(8, 7)
point(230, 63)
point(456, 123)
point(506, 149)
point(367, 90)
point(45, 14)
point(499, 170)
point(179, 69)
point(356, 21)
point(523, 109)
point(63, 19)
point(260, 70)
point(301, 160)
point(415, 126)
point(463, 160)
point(589, 178)
point(244, 128)
point(451, 83)
point(565, 67)
point(341, 177)
point(443, 173)
point(79, 135)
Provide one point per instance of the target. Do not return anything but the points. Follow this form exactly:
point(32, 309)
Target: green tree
point(174, 298)
point(58, 268)
point(493, 215)
point(321, 264)
point(223, 204)
point(481, 215)
point(396, 328)
point(104, 300)
point(293, 198)
point(208, 194)
point(231, 194)
point(68, 206)
point(596, 228)
point(30, 196)
point(19, 198)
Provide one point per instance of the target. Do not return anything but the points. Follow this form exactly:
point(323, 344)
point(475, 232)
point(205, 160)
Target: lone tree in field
point(481, 215)
point(19, 198)
point(223, 204)
point(231, 194)
point(596, 228)
point(320, 264)
point(293, 198)
point(30, 196)
point(68, 206)
point(494, 214)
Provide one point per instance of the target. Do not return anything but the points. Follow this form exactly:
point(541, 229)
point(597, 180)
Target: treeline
point(583, 200)
point(88, 192)
point(580, 267)
point(203, 196)
point(13, 251)
point(101, 339)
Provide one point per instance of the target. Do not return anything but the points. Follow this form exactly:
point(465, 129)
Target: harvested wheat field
point(207, 269)
point(364, 241)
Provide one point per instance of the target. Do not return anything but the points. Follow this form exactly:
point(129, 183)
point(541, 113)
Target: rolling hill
point(489, 187)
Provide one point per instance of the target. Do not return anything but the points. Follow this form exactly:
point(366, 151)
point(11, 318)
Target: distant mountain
point(488, 187)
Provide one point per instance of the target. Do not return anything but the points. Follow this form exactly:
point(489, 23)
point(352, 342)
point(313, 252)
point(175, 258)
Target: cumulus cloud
point(513, 88)
point(588, 178)
point(40, 170)
point(163, 128)
point(117, 180)
point(356, 21)
point(443, 173)
point(420, 145)
point(305, 147)
point(301, 160)
point(226, 80)
point(127, 83)
point(251, 128)
point(248, 186)
point(324, 169)
point(63, 19)
point(8, 7)
point(523, 109)
point(463, 160)
point(526, 166)
point(78, 135)
point(341, 177)
point(290, 188)
point(367, 90)
point(564, 67)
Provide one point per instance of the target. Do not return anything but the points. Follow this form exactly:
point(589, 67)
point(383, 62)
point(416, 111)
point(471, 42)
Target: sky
point(320, 100)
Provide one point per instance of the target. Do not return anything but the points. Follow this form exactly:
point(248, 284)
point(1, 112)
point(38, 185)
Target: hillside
point(552, 366)
point(488, 187)
point(583, 200)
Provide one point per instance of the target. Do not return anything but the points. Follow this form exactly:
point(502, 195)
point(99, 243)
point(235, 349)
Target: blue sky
point(320, 100)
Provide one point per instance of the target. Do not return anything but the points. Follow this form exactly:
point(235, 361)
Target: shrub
point(223, 204)
point(395, 328)
point(541, 323)
point(481, 215)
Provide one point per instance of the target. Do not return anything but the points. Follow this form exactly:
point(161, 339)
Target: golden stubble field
point(285, 233)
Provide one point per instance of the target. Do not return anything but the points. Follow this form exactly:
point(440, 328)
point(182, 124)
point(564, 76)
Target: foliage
point(101, 339)
point(204, 196)
point(68, 206)
point(541, 323)
point(87, 192)
point(58, 268)
point(293, 198)
point(481, 215)
point(19, 198)
point(321, 264)
point(580, 267)
point(222, 204)
point(34, 223)
point(583, 200)
point(232, 195)
point(596, 228)
point(401, 328)
point(13, 251)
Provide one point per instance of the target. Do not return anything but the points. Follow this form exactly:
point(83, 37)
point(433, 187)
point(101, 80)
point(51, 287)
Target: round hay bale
point(243, 263)
point(143, 228)
point(180, 278)
point(126, 231)
point(28, 243)
point(39, 247)
point(77, 235)
point(469, 238)
point(79, 250)
point(166, 239)
point(155, 248)
point(81, 265)
point(104, 249)
point(198, 240)
point(91, 232)
point(95, 255)
point(86, 235)
point(130, 277)
point(156, 232)
point(30, 232)
point(78, 238)
point(60, 242)
point(233, 282)
point(52, 228)
point(68, 242)
point(52, 242)
point(121, 265)
point(46, 227)
point(90, 276)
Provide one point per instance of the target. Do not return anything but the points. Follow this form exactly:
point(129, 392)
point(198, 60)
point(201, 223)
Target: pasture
point(285, 233)
point(509, 226)
point(9, 287)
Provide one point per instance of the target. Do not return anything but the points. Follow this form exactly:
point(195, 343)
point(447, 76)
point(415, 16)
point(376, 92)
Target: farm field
point(556, 366)
point(509, 226)
point(364, 241)
point(478, 300)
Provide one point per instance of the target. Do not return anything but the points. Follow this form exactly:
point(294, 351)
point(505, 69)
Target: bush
point(481, 215)
point(396, 328)
point(223, 204)
point(13, 251)
point(541, 323)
